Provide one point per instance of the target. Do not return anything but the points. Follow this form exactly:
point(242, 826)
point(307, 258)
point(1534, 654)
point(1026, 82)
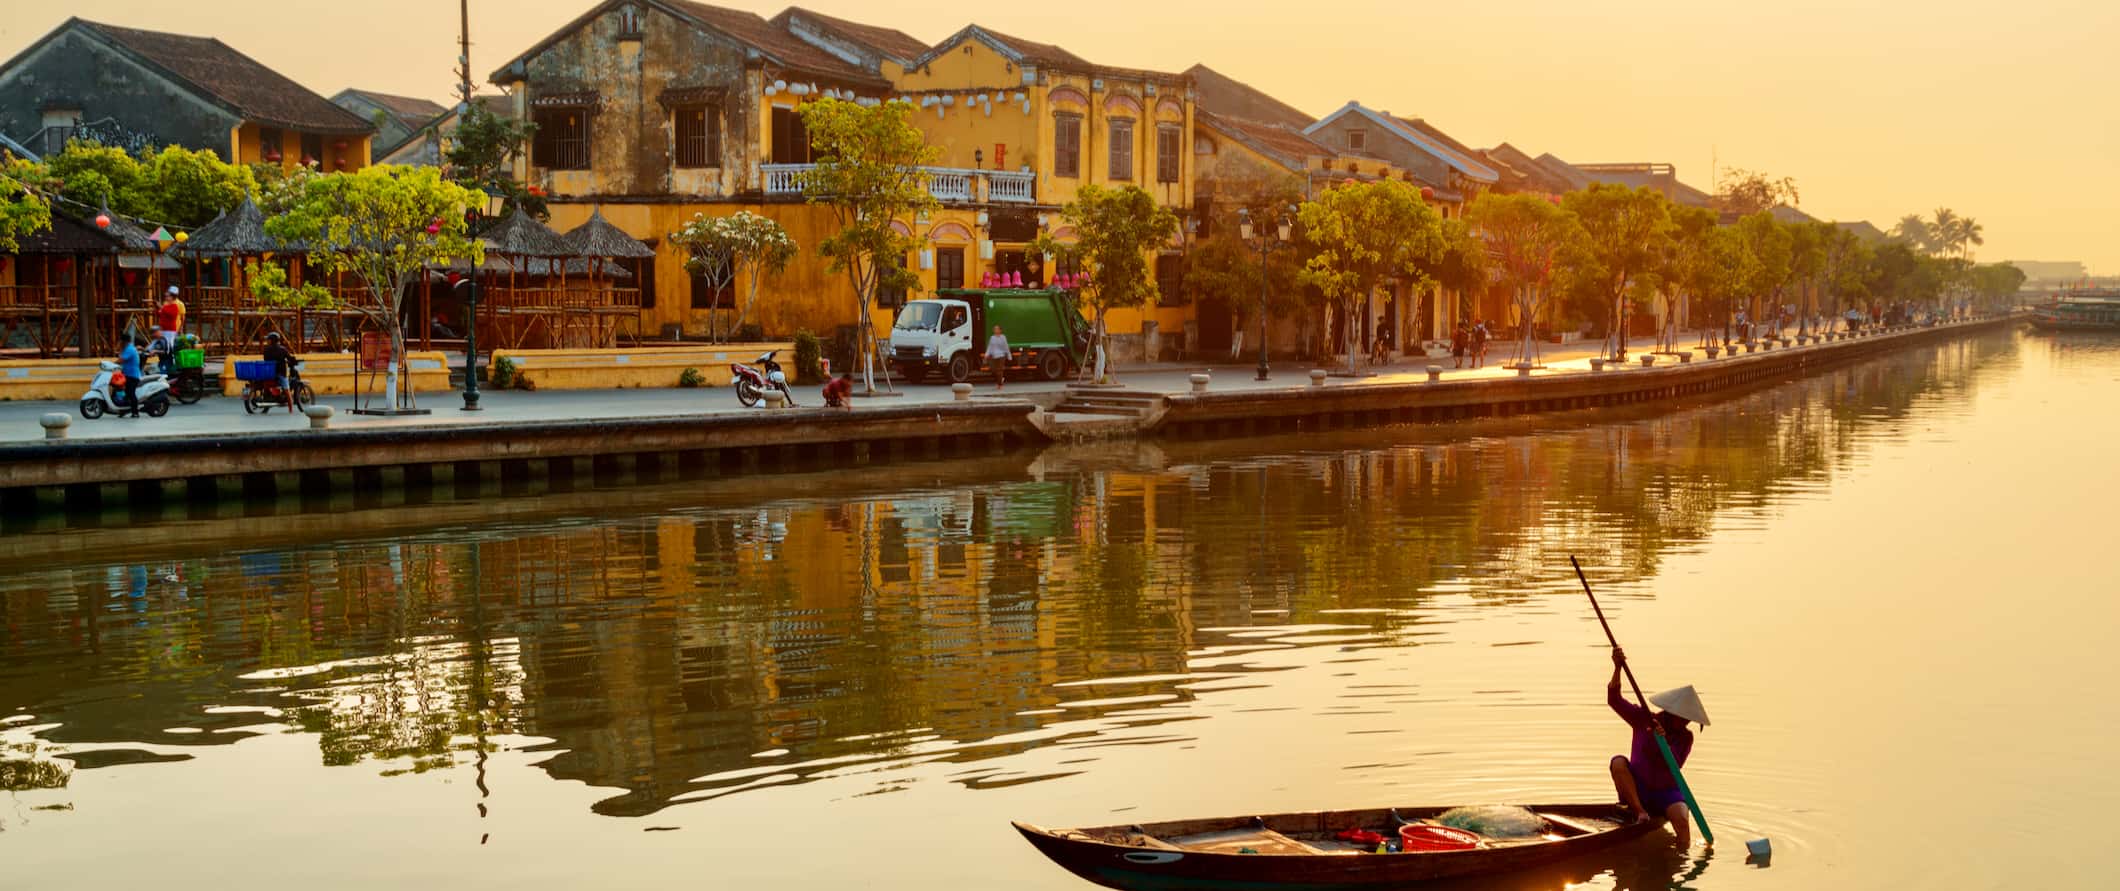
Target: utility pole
point(463, 73)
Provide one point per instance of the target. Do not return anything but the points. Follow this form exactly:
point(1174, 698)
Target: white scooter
point(153, 390)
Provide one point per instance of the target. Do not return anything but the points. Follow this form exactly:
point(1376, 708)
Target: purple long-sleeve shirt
point(1649, 768)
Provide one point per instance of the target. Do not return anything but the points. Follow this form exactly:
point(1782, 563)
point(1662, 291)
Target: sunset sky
point(2002, 111)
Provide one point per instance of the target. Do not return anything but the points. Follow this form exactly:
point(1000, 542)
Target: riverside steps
point(540, 442)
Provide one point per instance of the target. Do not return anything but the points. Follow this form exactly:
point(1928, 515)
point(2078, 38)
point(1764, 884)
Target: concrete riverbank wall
point(149, 474)
point(98, 474)
point(1353, 403)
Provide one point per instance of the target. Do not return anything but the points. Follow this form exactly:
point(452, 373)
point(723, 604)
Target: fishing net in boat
point(1495, 820)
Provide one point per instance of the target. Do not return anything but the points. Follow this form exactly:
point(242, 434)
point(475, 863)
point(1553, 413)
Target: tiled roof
point(1458, 150)
point(1284, 144)
point(888, 41)
point(748, 28)
point(408, 109)
point(1534, 174)
point(1224, 95)
point(1422, 136)
point(250, 89)
point(1044, 55)
point(783, 47)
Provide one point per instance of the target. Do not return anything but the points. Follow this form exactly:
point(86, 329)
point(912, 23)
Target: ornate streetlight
point(495, 203)
point(1283, 228)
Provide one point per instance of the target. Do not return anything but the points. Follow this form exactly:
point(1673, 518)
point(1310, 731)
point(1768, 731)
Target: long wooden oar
point(1662, 745)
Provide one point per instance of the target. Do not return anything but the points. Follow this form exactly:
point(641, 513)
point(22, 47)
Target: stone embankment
point(147, 473)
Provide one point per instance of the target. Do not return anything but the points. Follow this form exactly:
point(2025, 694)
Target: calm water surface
point(1894, 584)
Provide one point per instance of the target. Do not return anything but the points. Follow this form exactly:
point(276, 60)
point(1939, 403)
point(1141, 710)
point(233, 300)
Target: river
point(1890, 582)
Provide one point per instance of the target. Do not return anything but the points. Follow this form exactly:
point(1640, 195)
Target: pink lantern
point(434, 228)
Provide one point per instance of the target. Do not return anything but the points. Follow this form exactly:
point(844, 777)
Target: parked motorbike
point(153, 394)
point(186, 375)
point(752, 383)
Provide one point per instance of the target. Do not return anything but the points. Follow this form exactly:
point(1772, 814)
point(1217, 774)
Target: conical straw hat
point(1682, 702)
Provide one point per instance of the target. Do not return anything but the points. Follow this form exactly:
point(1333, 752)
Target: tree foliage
point(1625, 236)
point(1366, 235)
point(868, 172)
point(1526, 236)
point(22, 211)
point(1747, 192)
point(482, 154)
point(174, 186)
point(384, 226)
point(1771, 250)
point(742, 247)
point(1116, 231)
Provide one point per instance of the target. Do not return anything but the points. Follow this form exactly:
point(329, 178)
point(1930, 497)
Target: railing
point(952, 184)
point(1015, 188)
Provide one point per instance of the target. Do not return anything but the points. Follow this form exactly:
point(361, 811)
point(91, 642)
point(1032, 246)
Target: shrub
point(691, 378)
point(808, 349)
point(503, 377)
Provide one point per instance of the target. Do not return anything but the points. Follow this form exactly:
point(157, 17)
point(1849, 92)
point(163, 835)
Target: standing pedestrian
point(129, 365)
point(1458, 341)
point(997, 357)
point(171, 317)
point(1479, 342)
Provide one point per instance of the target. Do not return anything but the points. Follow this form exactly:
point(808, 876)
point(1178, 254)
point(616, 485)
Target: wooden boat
point(1286, 852)
point(2079, 311)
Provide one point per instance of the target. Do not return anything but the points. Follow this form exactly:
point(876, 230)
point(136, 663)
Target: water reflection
point(685, 643)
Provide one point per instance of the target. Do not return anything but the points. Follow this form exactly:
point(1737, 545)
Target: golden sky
point(2007, 112)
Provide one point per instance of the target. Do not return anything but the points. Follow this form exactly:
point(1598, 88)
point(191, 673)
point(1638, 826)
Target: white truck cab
point(934, 334)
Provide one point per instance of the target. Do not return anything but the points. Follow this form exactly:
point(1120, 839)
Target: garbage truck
point(946, 335)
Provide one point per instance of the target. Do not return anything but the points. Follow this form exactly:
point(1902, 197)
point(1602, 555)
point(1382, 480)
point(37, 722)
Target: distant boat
point(2097, 310)
point(1307, 850)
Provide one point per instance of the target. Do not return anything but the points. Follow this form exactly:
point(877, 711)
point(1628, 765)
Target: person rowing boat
point(1643, 780)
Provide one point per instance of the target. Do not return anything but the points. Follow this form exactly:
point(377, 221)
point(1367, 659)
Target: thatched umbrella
point(597, 242)
point(234, 236)
point(517, 238)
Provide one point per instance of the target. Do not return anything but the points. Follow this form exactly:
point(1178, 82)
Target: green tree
point(1767, 242)
point(1626, 233)
point(1116, 231)
point(384, 226)
point(1916, 232)
point(1526, 235)
point(482, 154)
point(1747, 192)
point(742, 247)
point(22, 211)
point(1367, 235)
point(1686, 268)
point(869, 172)
point(1996, 284)
point(1807, 256)
point(1841, 275)
point(189, 188)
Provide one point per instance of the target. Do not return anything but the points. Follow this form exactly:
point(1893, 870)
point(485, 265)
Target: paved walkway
point(217, 414)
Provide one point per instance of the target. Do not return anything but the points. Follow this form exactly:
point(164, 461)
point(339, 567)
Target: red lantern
point(1427, 194)
point(341, 163)
point(102, 221)
point(132, 277)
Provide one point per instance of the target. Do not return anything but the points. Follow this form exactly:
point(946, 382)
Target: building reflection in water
point(657, 641)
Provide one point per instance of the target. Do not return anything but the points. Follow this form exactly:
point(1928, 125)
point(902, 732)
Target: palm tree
point(1946, 231)
point(1969, 234)
point(1915, 231)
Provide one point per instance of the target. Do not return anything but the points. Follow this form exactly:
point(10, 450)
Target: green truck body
point(947, 332)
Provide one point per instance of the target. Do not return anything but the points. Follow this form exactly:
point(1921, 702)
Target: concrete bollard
point(1435, 374)
point(1751, 347)
point(1766, 345)
point(319, 416)
point(962, 391)
point(1523, 369)
point(1685, 356)
point(1317, 377)
point(1648, 359)
point(1714, 351)
point(776, 399)
point(1597, 364)
point(55, 424)
point(1199, 383)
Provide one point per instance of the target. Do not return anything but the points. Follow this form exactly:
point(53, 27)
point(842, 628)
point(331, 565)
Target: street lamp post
point(494, 204)
point(1265, 246)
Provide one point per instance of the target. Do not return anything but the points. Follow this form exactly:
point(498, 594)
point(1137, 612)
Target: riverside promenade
point(214, 452)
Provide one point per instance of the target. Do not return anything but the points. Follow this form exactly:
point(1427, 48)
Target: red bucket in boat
point(1424, 837)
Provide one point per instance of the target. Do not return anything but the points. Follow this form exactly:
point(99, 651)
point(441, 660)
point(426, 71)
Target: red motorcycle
point(752, 383)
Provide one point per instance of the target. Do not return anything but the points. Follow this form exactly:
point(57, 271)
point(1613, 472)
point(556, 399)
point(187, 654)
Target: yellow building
point(654, 110)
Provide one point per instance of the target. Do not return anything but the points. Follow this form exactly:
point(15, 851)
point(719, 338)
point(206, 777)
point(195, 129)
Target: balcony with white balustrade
point(950, 185)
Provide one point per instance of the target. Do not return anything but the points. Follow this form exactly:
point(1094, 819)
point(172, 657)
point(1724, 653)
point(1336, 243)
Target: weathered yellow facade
point(329, 153)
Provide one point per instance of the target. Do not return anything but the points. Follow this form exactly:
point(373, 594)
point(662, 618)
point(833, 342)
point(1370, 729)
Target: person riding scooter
point(277, 353)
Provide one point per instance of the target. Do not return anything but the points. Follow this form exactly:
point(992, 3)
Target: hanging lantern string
point(56, 197)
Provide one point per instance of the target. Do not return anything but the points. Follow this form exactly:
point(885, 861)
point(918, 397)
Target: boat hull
point(1134, 867)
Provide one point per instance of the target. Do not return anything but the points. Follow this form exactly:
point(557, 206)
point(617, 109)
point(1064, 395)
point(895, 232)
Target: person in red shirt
point(837, 393)
point(171, 316)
